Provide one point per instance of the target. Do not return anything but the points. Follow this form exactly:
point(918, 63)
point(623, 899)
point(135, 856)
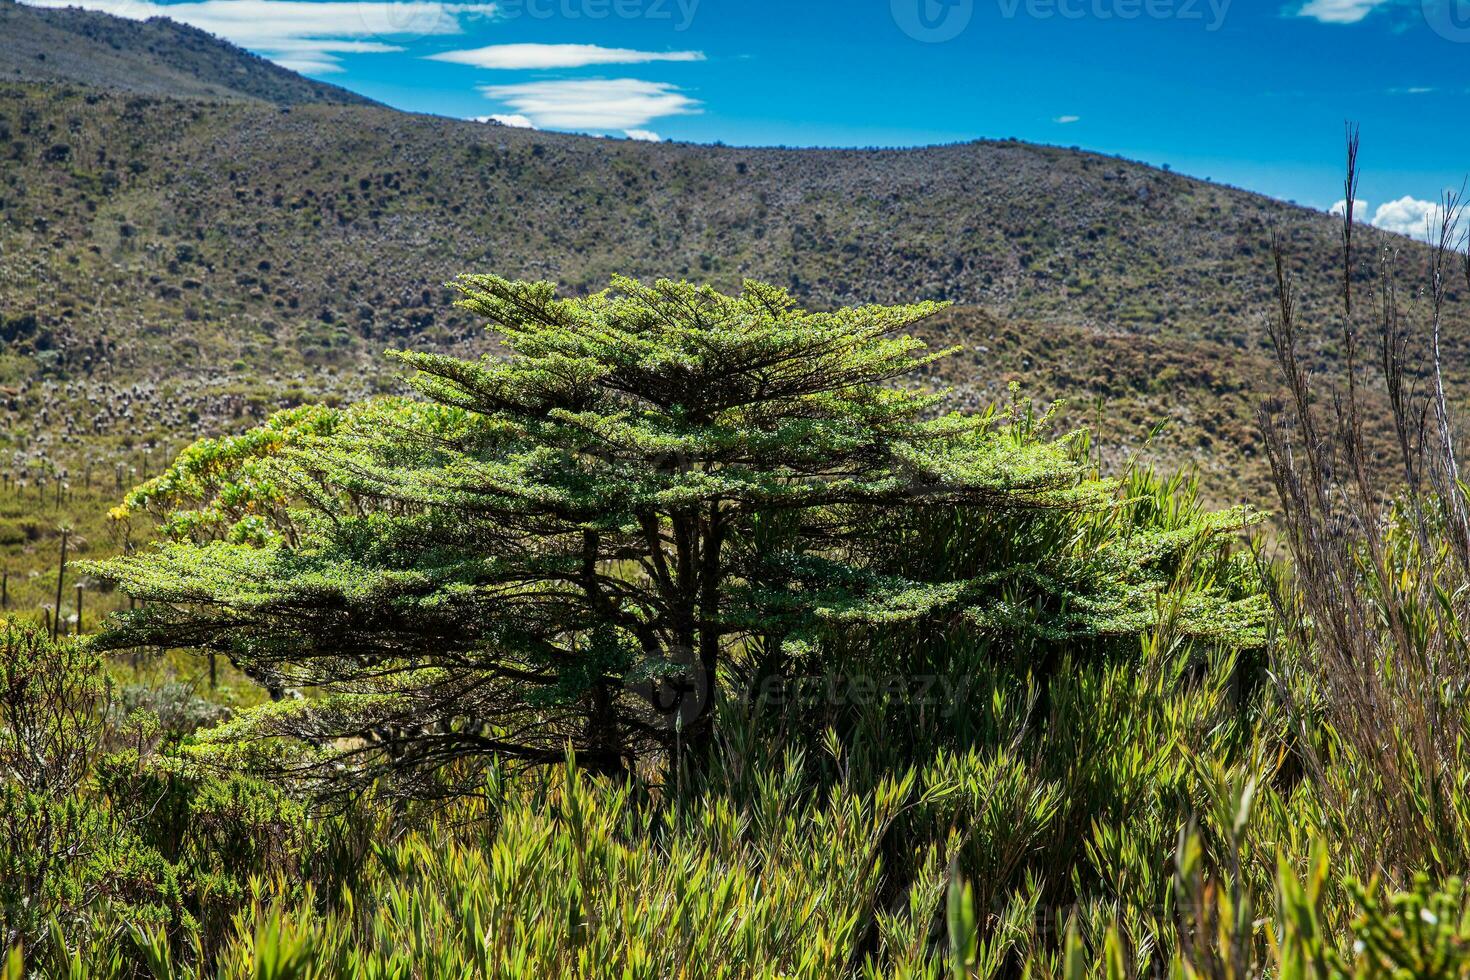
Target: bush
point(95, 822)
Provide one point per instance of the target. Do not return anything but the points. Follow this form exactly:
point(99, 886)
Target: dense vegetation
point(669, 631)
point(686, 637)
point(696, 543)
point(661, 498)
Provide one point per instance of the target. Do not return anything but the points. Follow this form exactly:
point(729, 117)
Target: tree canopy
point(649, 497)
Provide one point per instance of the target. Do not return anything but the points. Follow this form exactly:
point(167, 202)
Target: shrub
point(93, 822)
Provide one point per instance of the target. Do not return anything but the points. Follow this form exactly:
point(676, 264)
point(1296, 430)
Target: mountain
point(154, 57)
point(174, 265)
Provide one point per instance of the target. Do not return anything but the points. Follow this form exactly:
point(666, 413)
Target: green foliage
point(97, 825)
point(659, 490)
point(665, 493)
point(52, 707)
point(1125, 812)
point(566, 875)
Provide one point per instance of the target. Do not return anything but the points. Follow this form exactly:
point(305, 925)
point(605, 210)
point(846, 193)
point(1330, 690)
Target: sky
point(1253, 93)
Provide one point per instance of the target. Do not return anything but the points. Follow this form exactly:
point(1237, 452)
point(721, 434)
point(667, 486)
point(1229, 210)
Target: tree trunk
point(604, 752)
point(699, 733)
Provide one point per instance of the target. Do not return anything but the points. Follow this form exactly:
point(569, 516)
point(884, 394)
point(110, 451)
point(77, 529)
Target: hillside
point(174, 267)
point(1025, 230)
point(218, 243)
point(154, 57)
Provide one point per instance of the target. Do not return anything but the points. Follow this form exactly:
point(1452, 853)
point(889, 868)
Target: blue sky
point(1247, 92)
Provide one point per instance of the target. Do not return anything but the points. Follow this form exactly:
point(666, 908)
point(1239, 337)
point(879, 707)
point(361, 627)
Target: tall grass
point(1135, 808)
point(1372, 657)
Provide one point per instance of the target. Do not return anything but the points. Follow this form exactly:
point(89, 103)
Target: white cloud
point(599, 104)
point(1340, 11)
point(1407, 216)
point(304, 65)
point(1411, 217)
point(645, 135)
point(304, 35)
point(514, 120)
point(331, 45)
point(540, 56)
point(1066, 120)
point(309, 56)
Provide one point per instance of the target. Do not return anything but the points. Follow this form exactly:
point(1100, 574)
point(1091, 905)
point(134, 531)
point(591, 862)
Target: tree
point(655, 496)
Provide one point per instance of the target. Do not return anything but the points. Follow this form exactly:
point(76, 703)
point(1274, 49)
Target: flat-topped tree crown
point(687, 349)
point(788, 407)
point(657, 490)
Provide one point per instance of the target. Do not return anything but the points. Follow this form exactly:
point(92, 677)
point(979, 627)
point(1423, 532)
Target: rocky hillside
point(154, 57)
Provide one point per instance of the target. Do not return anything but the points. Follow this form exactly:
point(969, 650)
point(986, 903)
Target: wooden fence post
point(60, 579)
